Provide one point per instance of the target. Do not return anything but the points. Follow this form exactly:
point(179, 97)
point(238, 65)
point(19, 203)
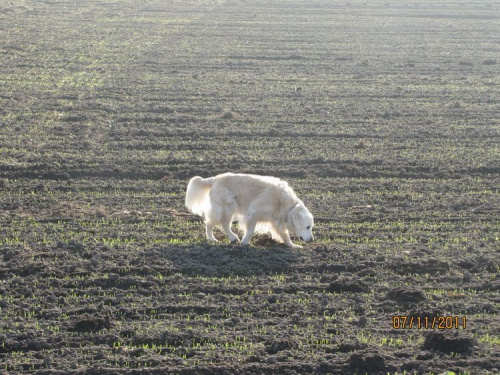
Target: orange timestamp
point(426, 322)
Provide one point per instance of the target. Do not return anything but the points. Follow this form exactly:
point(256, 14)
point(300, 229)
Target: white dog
point(265, 203)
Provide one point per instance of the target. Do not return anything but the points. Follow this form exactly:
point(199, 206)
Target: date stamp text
point(429, 322)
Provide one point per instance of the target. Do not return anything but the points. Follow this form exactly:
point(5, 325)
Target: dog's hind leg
point(210, 223)
point(213, 218)
point(250, 227)
point(228, 206)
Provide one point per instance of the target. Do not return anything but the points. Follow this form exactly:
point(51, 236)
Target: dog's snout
point(307, 240)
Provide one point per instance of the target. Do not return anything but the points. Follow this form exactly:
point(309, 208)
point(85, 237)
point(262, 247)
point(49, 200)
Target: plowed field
point(384, 116)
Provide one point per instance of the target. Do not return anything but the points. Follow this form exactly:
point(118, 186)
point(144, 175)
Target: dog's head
point(301, 222)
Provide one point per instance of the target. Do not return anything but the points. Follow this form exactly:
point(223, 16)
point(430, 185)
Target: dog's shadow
point(209, 260)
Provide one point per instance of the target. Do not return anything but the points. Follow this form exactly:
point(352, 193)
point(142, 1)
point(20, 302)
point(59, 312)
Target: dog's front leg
point(210, 232)
point(227, 228)
point(289, 242)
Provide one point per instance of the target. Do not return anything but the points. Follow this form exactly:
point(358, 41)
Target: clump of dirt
point(277, 345)
point(406, 295)
point(367, 362)
point(346, 284)
point(446, 342)
point(425, 314)
point(361, 145)
point(263, 240)
point(347, 347)
point(228, 115)
point(92, 323)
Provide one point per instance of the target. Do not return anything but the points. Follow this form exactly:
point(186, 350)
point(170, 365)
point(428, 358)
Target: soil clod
point(449, 342)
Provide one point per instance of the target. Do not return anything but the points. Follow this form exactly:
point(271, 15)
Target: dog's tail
point(197, 200)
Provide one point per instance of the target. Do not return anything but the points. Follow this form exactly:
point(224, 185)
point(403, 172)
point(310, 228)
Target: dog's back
point(249, 184)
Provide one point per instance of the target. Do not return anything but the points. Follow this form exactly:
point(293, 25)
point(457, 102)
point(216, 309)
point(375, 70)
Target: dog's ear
point(289, 221)
point(294, 219)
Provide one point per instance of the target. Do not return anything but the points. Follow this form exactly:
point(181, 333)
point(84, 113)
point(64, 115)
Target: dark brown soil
point(384, 118)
